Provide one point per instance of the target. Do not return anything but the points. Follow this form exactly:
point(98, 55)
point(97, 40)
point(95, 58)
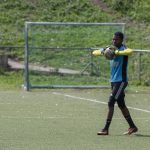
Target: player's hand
point(97, 52)
point(109, 53)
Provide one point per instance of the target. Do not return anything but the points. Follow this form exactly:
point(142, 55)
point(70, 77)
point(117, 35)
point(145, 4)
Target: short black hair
point(120, 34)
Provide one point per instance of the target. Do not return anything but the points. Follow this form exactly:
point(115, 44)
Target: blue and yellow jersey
point(118, 67)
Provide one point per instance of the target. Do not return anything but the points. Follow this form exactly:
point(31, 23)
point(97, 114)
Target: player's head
point(118, 38)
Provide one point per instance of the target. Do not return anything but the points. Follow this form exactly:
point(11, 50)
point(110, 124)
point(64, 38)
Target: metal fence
point(139, 69)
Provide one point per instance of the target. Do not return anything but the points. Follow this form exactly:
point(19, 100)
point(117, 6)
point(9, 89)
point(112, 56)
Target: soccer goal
point(59, 55)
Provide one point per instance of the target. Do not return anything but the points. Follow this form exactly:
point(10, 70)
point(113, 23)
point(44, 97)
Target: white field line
point(47, 118)
point(32, 117)
point(96, 101)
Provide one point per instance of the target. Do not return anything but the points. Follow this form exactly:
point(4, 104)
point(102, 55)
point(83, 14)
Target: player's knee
point(121, 102)
point(121, 105)
point(111, 102)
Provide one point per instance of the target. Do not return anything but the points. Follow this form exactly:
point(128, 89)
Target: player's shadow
point(142, 135)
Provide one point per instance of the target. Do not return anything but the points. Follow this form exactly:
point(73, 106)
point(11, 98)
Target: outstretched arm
point(126, 52)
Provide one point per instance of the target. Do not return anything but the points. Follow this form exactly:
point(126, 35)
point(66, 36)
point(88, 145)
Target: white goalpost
point(58, 54)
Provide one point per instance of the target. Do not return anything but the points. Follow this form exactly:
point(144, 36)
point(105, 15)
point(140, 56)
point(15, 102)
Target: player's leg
point(125, 111)
point(127, 116)
point(105, 130)
point(111, 102)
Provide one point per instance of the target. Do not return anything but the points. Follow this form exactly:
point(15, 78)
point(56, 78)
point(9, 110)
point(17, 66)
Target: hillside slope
point(13, 15)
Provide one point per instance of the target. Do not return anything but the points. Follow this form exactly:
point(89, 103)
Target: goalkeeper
point(119, 81)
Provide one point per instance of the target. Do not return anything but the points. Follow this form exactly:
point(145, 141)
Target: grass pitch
point(69, 120)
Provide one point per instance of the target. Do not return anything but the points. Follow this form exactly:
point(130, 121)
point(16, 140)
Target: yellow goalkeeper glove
point(97, 52)
point(126, 52)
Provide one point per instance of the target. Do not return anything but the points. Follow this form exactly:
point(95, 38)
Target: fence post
point(139, 68)
point(3, 61)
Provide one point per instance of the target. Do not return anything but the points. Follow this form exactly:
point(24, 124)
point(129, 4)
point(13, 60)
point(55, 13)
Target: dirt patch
point(16, 65)
point(102, 5)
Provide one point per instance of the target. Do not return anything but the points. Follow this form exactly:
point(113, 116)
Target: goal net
point(59, 55)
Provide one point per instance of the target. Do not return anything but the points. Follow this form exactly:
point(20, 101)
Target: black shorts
point(118, 89)
point(117, 94)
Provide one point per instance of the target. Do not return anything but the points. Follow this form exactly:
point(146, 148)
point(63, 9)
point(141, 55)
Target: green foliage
point(13, 15)
point(11, 79)
point(136, 9)
point(122, 5)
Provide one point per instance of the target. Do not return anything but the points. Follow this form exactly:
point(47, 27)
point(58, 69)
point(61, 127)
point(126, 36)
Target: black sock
point(130, 121)
point(108, 121)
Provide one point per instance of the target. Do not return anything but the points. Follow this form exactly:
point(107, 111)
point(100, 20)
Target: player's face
point(117, 41)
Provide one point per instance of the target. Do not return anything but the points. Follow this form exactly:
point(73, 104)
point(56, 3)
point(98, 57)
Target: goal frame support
point(27, 85)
